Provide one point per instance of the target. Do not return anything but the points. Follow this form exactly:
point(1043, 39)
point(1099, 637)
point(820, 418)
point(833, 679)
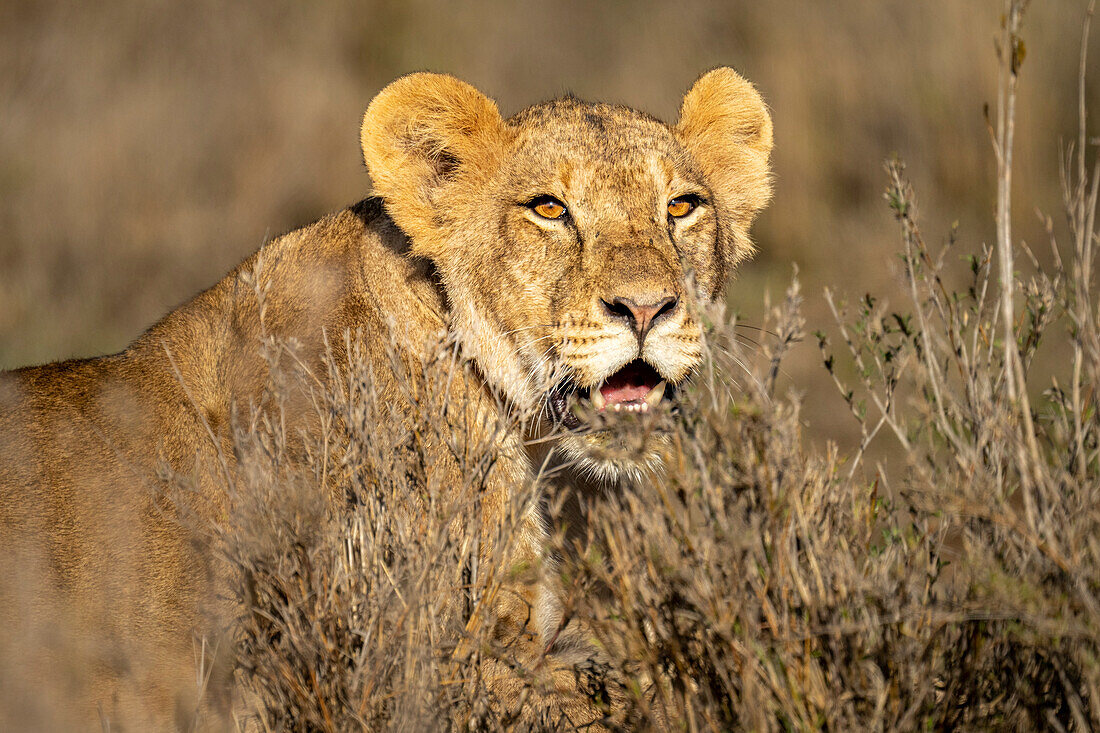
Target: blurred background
point(147, 147)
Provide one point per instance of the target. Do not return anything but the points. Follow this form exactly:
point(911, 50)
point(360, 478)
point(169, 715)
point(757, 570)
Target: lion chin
point(616, 430)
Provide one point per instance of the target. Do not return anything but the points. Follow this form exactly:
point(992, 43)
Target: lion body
point(84, 513)
point(98, 558)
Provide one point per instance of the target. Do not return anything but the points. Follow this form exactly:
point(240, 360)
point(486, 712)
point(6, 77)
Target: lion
point(561, 248)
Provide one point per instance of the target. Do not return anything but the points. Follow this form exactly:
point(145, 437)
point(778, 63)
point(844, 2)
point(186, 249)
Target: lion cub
point(560, 248)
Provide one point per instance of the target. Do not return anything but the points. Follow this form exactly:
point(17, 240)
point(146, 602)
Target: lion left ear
point(726, 127)
point(422, 135)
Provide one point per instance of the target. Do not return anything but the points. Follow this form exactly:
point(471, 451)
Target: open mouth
point(637, 387)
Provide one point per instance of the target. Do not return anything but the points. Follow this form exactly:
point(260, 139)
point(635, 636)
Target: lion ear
point(421, 135)
point(726, 127)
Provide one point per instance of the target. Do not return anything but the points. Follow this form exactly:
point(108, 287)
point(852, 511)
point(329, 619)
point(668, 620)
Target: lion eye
point(547, 207)
point(682, 206)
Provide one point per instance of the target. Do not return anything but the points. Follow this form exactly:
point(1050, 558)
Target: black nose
point(640, 315)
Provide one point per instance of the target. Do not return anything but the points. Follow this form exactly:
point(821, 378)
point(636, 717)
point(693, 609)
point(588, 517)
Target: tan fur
point(447, 244)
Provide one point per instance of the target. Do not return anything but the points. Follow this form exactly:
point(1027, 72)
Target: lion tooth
point(598, 400)
point(655, 395)
point(617, 406)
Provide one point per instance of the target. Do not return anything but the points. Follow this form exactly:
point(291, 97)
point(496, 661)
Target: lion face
point(600, 218)
point(575, 241)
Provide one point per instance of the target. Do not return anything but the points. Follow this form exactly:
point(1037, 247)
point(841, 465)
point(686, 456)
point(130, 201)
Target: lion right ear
point(726, 127)
point(423, 135)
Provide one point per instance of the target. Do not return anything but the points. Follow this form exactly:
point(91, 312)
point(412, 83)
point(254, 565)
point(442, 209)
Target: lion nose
point(642, 313)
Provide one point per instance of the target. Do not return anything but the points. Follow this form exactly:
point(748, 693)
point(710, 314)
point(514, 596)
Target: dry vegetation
point(761, 584)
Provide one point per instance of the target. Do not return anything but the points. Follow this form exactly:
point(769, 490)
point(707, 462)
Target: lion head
point(572, 240)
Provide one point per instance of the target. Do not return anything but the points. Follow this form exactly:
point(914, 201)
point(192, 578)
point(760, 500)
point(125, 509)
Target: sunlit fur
point(528, 289)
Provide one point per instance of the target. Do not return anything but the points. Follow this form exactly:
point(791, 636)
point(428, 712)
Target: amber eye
point(547, 207)
point(682, 205)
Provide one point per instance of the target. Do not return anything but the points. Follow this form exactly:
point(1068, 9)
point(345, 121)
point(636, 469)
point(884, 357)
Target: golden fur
point(449, 242)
